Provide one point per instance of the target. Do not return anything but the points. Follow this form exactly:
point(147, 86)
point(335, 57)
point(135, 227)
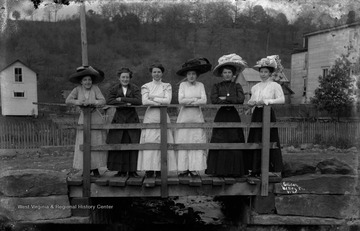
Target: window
point(325, 71)
point(18, 74)
point(19, 94)
point(304, 88)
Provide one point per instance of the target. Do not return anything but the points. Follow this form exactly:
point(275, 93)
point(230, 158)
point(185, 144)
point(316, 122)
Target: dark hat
point(96, 75)
point(230, 60)
point(157, 65)
point(124, 70)
point(200, 65)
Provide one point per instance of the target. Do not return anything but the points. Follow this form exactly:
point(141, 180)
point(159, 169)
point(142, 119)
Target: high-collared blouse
point(268, 91)
point(132, 95)
point(192, 93)
point(232, 91)
point(159, 91)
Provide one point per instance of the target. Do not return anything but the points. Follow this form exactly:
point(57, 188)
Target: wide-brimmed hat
point(230, 60)
point(96, 75)
point(269, 62)
point(200, 65)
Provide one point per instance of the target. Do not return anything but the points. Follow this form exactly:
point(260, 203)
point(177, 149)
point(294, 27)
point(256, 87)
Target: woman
point(124, 93)
point(227, 162)
point(155, 93)
point(88, 94)
point(191, 92)
point(264, 93)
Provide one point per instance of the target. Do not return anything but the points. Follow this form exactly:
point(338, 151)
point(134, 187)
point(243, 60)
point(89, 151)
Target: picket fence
point(27, 135)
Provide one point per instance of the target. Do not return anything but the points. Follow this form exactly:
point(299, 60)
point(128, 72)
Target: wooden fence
point(27, 135)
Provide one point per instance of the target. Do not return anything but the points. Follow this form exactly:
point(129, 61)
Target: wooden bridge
point(169, 184)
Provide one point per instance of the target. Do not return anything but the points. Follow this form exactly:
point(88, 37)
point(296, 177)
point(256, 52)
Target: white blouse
point(268, 91)
point(156, 93)
point(192, 93)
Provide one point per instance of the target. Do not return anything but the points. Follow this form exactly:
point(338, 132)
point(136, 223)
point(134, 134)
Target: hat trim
point(201, 69)
point(239, 68)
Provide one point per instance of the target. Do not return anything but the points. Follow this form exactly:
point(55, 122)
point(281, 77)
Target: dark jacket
point(232, 91)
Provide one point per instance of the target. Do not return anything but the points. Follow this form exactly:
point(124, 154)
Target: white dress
point(150, 160)
point(98, 137)
point(193, 94)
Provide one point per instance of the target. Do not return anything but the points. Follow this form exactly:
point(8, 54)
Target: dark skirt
point(226, 162)
point(253, 159)
point(123, 160)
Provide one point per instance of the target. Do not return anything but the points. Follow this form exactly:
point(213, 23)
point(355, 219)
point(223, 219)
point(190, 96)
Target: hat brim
point(238, 68)
point(200, 69)
point(78, 76)
point(257, 67)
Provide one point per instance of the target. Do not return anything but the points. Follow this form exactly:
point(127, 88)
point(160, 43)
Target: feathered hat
point(230, 60)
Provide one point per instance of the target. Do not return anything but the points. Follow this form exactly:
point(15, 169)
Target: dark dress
point(226, 162)
point(255, 136)
point(124, 160)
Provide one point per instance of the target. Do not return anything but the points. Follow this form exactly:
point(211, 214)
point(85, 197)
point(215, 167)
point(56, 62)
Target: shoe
point(158, 173)
point(95, 172)
point(184, 174)
point(133, 174)
point(193, 173)
point(149, 174)
point(120, 174)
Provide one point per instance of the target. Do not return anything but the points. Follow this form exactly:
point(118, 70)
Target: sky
point(291, 8)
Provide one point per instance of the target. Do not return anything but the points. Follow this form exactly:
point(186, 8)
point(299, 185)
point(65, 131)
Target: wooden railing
point(164, 146)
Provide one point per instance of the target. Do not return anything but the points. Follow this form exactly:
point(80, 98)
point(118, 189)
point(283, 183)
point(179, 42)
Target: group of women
point(191, 95)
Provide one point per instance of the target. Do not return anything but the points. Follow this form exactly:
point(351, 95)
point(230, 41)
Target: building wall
point(325, 48)
point(18, 106)
point(298, 73)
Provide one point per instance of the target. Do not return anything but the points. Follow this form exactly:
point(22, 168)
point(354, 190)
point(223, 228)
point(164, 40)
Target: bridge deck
point(109, 186)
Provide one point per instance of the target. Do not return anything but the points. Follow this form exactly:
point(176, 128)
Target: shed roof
point(18, 60)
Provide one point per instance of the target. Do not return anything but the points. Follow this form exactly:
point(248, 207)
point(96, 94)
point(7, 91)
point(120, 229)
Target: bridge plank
point(135, 181)
point(229, 180)
point(218, 181)
point(118, 181)
point(149, 182)
point(184, 180)
point(173, 180)
point(195, 181)
point(206, 180)
point(73, 180)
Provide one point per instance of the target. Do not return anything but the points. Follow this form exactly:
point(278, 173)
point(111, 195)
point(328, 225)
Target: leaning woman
point(155, 93)
point(191, 93)
point(266, 92)
point(227, 162)
point(122, 95)
point(89, 94)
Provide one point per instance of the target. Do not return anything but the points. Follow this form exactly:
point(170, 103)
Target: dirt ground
point(59, 159)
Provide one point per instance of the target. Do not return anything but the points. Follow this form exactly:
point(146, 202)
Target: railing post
point(163, 146)
point(265, 151)
point(86, 150)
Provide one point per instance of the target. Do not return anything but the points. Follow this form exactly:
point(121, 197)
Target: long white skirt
point(193, 160)
point(150, 160)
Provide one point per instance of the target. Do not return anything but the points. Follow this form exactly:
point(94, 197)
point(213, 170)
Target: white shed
point(18, 90)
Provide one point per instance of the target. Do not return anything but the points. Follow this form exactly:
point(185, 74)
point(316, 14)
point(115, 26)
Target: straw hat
point(230, 60)
point(269, 62)
point(200, 65)
point(96, 75)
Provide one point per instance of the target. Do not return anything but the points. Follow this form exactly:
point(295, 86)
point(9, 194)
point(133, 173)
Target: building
point(18, 90)
point(249, 77)
point(320, 50)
